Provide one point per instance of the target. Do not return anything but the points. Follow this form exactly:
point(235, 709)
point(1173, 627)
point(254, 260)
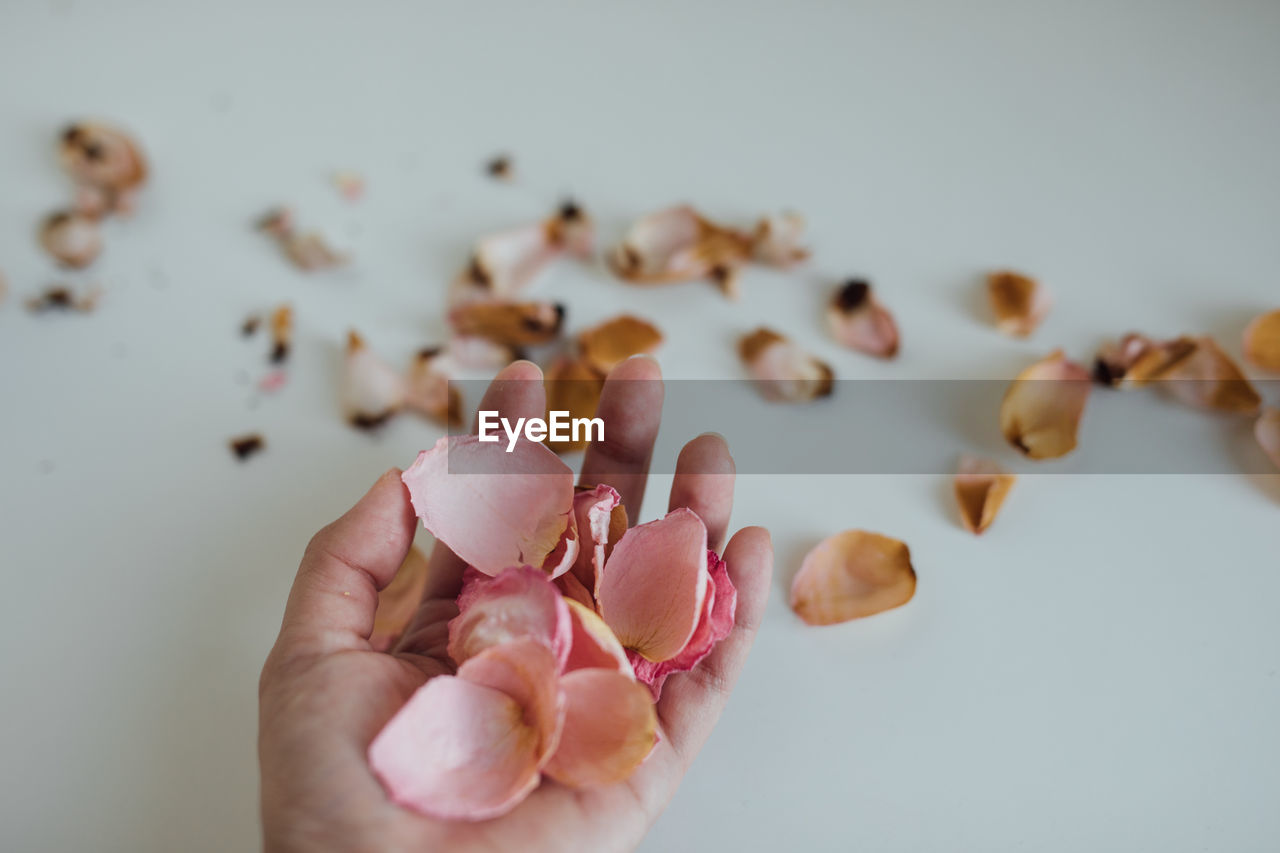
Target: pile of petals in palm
point(568, 625)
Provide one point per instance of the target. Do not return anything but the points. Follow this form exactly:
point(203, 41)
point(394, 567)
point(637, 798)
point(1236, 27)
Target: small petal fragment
point(520, 603)
point(494, 522)
point(1207, 378)
point(852, 575)
point(981, 487)
point(610, 726)
point(399, 601)
point(1040, 414)
point(1262, 341)
point(281, 333)
point(73, 239)
point(594, 644)
point(678, 244)
point(776, 240)
point(106, 162)
point(654, 584)
point(1018, 301)
point(784, 372)
point(605, 346)
point(858, 321)
point(511, 324)
point(372, 392)
point(1267, 431)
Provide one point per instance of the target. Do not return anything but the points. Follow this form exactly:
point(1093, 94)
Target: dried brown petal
point(104, 159)
point(981, 487)
point(573, 386)
point(1206, 377)
point(310, 252)
point(502, 264)
point(246, 445)
point(1041, 411)
point(1267, 431)
point(281, 333)
point(852, 575)
point(1019, 302)
point(678, 244)
point(512, 324)
point(60, 298)
point(500, 167)
point(1262, 341)
point(250, 325)
point(776, 240)
point(73, 239)
point(614, 341)
point(782, 370)
point(399, 600)
point(371, 391)
point(858, 320)
point(277, 222)
point(429, 390)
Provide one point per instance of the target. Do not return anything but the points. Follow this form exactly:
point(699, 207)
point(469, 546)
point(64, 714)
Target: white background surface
point(1098, 672)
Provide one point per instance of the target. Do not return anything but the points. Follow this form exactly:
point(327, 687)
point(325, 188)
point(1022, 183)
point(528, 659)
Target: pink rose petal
point(594, 645)
point(610, 727)
point(593, 510)
point(520, 603)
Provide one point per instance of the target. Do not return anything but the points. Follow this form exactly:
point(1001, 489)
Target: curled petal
point(858, 321)
point(594, 644)
point(574, 387)
point(519, 603)
point(1018, 301)
point(281, 333)
point(1267, 431)
point(1207, 378)
point(1040, 414)
point(601, 520)
point(105, 158)
point(981, 487)
point(851, 575)
point(73, 239)
point(399, 600)
point(610, 726)
point(310, 252)
point(511, 324)
point(776, 240)
point(1262, 341)
point(714, 624)
point(493, 521)
point(428, 391)
point(502, 264)
point(677, 244)
point(784, 372)
point(654, 584)
point(471, 746)
point(371, 390)
point(605, 346)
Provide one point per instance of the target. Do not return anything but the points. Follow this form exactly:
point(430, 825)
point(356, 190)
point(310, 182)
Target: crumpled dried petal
point(519, 603)
point(371, 391)
point(981, 487)
point(714, 624)
point(601, 520)
point(610, 726)
point(73, 239)
point(612, 342)
point(858, 321)
point(776, 240)
point(471, 746)
point(524, 517)
point(783, 372)
point(1018, 301)
point(1267, 431)
point(678, 244)
point(1262, 341)
point(281, 333)
point(61, 298)
point(107, 163)
point(1131, 360)
point(654, 583)
point(852, 575)
point(399, 601)
point(504, 263)
point(575, 387)
point(1040, 414)
point(308, 252)
point(428, 389)
point(477, 353)
point(1207, 378)
point(512, 324)
point(594, 644)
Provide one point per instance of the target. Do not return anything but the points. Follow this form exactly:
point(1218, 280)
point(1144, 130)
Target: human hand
point(325, 693)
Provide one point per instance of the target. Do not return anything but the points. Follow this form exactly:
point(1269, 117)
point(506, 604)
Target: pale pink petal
point(594, 509)
point(428, 391)
point(470, 747)
point(714, 624)
point(594, 644)
point(73, 239)
point(782, 370)
point(105, 158)
point(520, 603)
point(858, 321)
point(852, 575)
point(492, 508)
point(653, 587)
point(473, 352)
point(610, 727)
point(1040, 414)
point(504, 263)
point(677, 244)
point(1267, 431)
point(777, 240)
point(399, 601)
point(371, 391)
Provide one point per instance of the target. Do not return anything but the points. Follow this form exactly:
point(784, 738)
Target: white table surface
point(1099, 672)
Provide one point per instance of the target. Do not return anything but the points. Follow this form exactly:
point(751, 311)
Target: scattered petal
point(610, 726)
point(678, 244)
point(1207, 378)
point(519, 603)
point(1040, 414)
point(73, 239)
point(601, 520)
point(654, 584)
point(250, 325)
point(371, 390)
point(1262, 341)
point(1132, 360)
point(852, 575)
point(477, 353)
point(495, 522)
point(1018, 301)
point(511, 324)
point(247, 445)
point(776, 241)
point(981, 487)
point(60, 298)
point(858, 321)
point(500, 167)
point(310, 252)
point(574, 387)
point(399, 601)
point(782, 370)
point(281, 333)
point(273, 381)
point(605, 346)
point(106, 162)
point(594, 645)
point(350, 185)
point(502, 264)
point(428, 389)
point(277, 223)
point(1267, 431)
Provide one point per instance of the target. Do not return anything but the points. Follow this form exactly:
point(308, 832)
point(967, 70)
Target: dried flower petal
point(1019, 302)
point(500, 167)
point(61, 298)
point(281, 333)
point(106, 161)
point(350, 185)
point(981, 487)
point(73, 239)
point(371, 391)
point(610, 726)
point(1040, 414)
point(782, 370)
point(1262, 341)
point(601, 520)
point(574, 387)
point(428, 390)
point(247, 445)
point(852, 575)
point(477, 353)
point(504, 263)
point(399, 601)
point(1267, 431)
point(776, 240)
point(594, 645)
point(519, 603)
point(1207, 378)
point(678, 244)
point(512, 324)
point(858, 321)
point(311, 252)
point(605, 346)
point(277, 223)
